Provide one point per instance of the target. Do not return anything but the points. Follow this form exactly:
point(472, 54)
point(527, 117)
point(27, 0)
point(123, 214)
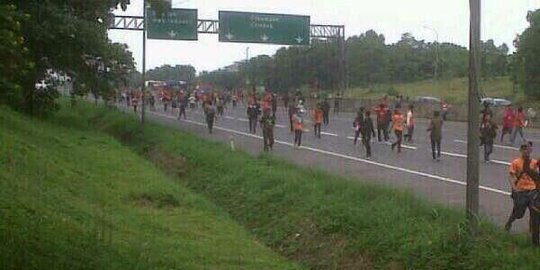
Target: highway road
point(413, 169)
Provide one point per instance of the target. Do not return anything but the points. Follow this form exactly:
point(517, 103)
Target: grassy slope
point(72, 199)
point(322, 220)
point(454, 90)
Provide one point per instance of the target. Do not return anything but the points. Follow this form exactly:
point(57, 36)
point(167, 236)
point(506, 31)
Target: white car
point(40, 85)
point(428, 100)
point(496, 102)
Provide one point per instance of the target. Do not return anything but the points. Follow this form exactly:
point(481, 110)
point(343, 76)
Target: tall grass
point(321, 220)
point(72, 197)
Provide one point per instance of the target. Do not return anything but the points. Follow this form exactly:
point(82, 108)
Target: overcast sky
point(501, 21)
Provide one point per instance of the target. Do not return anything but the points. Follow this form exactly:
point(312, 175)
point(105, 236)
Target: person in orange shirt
point(519, 124)
point(298, 123)
point(318, 119)
point(523, 186)
point(397, 125)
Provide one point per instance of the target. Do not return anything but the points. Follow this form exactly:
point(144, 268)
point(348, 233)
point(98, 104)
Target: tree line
point(369, 61)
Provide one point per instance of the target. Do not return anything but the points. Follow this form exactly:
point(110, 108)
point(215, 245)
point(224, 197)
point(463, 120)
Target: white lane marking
point(352, 138)
point(427, 175)
point(495, 145)
point(229, 117)
point(280, 126)
point(329, 134)
point(404, 146)
point(242, 119)
point(465, 156)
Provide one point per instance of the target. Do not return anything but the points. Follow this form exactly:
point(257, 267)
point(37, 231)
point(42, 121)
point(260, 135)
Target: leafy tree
point(185, 73)
point(367, 58)
point(14, 54)
point(62, 35)
point(528, 56)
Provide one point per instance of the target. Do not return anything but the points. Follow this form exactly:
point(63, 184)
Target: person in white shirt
point(410, 121)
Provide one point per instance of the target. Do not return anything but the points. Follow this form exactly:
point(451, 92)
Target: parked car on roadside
point(495, 102)
point(42, 84)
point(428, 100)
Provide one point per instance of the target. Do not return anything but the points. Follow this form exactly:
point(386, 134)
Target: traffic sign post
point(174, 24)
point(249, 27)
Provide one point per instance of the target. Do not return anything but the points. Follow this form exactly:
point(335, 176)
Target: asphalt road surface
point(413, 169)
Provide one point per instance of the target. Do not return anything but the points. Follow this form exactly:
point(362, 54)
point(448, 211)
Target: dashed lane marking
point(382, 165)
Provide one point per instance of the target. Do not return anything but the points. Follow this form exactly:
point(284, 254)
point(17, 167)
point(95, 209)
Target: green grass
point(453, 90)
point(321, 220)
point(73, 198)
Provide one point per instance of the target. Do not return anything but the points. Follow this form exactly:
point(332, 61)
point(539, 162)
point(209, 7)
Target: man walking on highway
point(291, 110)
point(357, 124)
point(410, 123)
point(253, 111)
point(367, 131)
point(210, 113)
point(519, 123)
point(523, 187)
point(397, 124)
point(382, 122)
point(317, 120)
point(326, 112)
point(435, 129)
point(337, 100)
point(182, 103)
point(298, 123)
point(508, 122)
point(267, 124)
point(488, 133)
point(274, 104)
point(220, 103)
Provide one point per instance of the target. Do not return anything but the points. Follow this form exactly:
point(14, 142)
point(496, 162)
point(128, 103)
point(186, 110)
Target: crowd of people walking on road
point(389, 121)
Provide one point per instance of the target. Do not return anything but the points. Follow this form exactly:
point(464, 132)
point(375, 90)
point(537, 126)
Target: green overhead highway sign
point(175, 24)
point(264, 28)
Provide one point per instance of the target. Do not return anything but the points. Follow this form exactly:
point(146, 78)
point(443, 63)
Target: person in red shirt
point(382, 122)
point(397, 124)
point(508, 122)
point(519, 123)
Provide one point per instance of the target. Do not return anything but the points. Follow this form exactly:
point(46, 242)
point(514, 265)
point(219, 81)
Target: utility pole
point(143, 64)
point(342, 61)
point(436, 69)
point(473, 140)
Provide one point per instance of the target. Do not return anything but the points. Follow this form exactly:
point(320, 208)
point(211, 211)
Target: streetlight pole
point(143, 63)
point(247, 68)
point(436, 70)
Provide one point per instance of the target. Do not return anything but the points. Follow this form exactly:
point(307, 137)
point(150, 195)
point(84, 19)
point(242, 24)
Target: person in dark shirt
point(435, 129)
point(210, 113)
point(274, 104)
point(326, 112)
point(488, 132)
point(267, 125)
point(357, 124)
point(367, 131)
